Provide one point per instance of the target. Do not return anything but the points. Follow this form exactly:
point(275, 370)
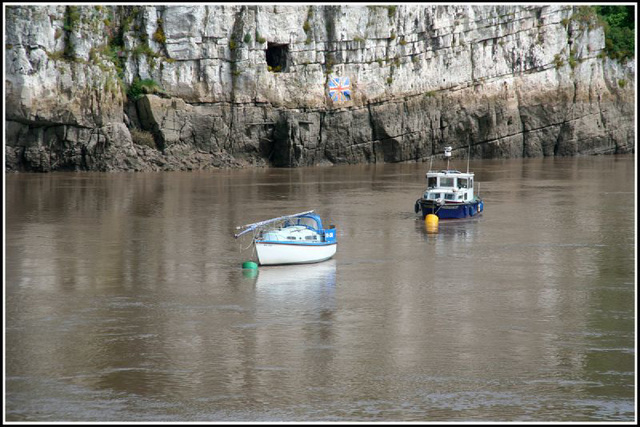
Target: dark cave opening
point(278, 57)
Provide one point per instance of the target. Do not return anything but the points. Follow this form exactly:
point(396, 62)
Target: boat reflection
point(298, 284)
point(454, 229)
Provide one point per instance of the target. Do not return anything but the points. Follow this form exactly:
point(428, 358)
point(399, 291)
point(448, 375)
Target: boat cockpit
point(310, 221)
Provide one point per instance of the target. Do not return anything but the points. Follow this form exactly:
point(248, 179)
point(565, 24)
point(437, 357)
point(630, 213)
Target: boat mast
point(447, 154)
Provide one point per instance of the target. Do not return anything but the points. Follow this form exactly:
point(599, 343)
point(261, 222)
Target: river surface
point(125, 299)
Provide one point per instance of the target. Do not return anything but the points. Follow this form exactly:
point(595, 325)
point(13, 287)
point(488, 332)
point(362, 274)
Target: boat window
point(311, 237)
point(435, 195)
point(291, 238)
point(463, 183)
point(432, 182)
point(465, 196)
point(446, 182)
point(448, 196)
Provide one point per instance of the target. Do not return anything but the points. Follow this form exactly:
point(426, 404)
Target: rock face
point(194, 87)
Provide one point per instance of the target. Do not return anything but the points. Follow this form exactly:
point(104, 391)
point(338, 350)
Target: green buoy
point(249, 265)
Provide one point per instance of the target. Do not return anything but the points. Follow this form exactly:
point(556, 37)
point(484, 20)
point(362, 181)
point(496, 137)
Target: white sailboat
point(292, 239)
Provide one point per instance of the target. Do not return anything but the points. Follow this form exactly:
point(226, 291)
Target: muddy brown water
point(125, 299)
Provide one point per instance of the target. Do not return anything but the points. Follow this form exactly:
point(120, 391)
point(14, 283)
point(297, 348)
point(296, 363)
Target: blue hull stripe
point(458, 211)
point(279, 242)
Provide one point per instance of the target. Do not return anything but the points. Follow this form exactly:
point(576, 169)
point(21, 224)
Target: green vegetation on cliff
point(619, 30)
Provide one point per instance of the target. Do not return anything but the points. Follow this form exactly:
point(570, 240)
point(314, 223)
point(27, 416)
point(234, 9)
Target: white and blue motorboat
point(449, 194)
point(292, 239)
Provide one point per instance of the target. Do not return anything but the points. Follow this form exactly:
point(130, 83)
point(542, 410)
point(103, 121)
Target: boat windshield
point(446, 182)
point(311, 220)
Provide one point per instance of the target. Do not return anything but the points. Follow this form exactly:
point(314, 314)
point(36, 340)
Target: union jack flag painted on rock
point(339, 89)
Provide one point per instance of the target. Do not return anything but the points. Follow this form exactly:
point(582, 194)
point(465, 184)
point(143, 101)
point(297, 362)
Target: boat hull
point(450, 211)
point(276, 253)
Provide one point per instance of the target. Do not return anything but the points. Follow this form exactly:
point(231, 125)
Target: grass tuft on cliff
point(140, 87)
point(143, 137)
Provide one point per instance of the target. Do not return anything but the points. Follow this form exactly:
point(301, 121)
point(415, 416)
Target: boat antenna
point(447, 154)
point(468, 156)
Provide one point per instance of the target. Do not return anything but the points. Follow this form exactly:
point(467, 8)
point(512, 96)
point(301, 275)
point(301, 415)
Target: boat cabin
point(450, 186)
point(305, 228)
point(294, 233)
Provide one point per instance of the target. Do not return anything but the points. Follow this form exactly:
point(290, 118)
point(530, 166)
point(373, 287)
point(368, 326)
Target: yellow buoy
point(431, 222)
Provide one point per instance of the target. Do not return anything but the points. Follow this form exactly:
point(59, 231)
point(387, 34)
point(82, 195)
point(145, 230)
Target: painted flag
point(339, 89)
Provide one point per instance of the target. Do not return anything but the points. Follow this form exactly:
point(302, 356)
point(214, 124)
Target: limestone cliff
point(194, 87)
